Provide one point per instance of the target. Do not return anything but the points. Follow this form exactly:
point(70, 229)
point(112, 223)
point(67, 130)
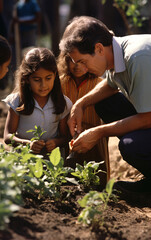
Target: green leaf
point(31, 130)
point(38, 169)
point(55, 156)
point(37, 132)
point(27, 156)
point(109, 186)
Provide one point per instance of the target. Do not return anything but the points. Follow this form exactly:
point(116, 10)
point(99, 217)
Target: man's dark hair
point(83, 33)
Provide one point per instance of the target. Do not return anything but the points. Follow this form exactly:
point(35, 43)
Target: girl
point(76, 82)
point(37, 100)
point(5, 56)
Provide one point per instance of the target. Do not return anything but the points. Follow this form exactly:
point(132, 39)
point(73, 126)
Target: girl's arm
point(63, 136)
point(10, 129)
point(11, 125)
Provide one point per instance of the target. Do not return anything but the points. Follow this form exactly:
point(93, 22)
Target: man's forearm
point(123, 126)
point(101, 91)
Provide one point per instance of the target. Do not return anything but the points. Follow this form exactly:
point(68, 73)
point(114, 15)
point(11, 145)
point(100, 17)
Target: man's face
point(95, 63)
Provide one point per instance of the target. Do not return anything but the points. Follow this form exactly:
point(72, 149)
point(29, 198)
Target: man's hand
point(86, 140)
point(75, 119)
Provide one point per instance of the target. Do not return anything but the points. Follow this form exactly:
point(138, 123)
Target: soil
point(127, 219)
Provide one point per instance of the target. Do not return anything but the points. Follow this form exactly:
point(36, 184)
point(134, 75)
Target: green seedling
point(37, 132)
point(56, 174)
point(87, 174)
point(94, 204)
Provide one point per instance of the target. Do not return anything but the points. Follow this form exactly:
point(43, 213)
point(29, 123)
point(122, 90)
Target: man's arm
point(100, 92)
point(87, 139)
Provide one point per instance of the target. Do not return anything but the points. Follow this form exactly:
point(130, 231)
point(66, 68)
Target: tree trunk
point(50, 12)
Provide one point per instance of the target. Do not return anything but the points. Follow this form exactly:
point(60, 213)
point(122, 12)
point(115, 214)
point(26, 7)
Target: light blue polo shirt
point(43, 117)
point(132, 69)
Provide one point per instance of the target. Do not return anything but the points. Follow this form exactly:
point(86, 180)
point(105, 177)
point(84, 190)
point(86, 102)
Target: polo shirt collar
point(119, 64)
point(49, 104)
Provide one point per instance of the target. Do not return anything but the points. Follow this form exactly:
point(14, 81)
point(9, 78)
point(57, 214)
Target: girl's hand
point(37, 145)
point(50, 145)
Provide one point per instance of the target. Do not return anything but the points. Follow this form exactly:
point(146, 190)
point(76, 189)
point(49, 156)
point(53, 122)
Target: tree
point(50, 11)
point(130, 12)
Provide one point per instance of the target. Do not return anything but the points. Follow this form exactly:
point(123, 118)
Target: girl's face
point(77, 69)
point(41, 83)
point(4, 69)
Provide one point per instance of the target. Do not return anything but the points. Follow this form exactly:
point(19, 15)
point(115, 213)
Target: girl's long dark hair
point(32, 61)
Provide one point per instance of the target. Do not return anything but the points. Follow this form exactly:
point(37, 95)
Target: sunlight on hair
point(30, 53)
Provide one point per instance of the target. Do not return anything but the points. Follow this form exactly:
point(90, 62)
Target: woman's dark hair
point(5, 50)
point(32, 61)
point(83, 33)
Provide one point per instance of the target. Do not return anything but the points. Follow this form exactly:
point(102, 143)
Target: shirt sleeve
point(140, 90)
point(67, 108)
point(110, 80)
point(12, 101)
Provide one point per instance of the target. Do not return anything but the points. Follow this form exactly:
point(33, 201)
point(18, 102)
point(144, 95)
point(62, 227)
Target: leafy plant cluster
point(130, 11)
point(10, 193)
point(21, 171)
point(87, 174)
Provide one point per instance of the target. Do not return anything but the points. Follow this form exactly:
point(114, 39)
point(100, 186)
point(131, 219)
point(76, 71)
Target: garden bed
point(46, 219)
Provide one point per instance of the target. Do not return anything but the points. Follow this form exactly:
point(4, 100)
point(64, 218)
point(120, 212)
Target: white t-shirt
point(43, 117)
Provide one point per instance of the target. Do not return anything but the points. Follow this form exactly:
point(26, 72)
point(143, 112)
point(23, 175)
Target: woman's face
point(77, 69)
point(4, 68)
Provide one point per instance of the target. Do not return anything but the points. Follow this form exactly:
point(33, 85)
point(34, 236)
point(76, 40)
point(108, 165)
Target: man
point(122, 100)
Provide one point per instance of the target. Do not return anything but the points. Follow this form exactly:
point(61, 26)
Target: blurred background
point(46, 20)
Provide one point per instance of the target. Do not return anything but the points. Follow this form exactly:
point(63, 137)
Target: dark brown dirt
point(128, 219)
point(47, 220)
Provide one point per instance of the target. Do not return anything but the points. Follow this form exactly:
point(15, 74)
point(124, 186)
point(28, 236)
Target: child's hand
point(50, 145)
point(37, 145)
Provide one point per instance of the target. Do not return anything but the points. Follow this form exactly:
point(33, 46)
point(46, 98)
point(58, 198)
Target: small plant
point(37, 132)
point(56, 174)
point(95, 203)
point(87, 174)
point(10, 193)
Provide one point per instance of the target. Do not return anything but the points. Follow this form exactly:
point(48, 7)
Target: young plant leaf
point(109, 186)
point(55, 156)
point(38, 169)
